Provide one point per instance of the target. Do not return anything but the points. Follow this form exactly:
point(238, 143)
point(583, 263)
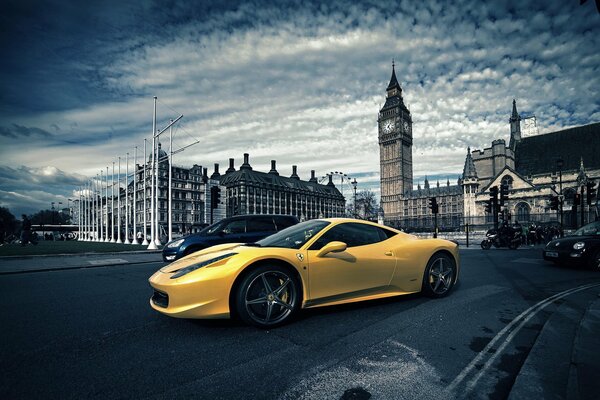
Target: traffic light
point(494, 193)
point(591, 191)
point(554, 202)
point(503, 193)
point(215, 196)
point(488, 206)
point(433, 205)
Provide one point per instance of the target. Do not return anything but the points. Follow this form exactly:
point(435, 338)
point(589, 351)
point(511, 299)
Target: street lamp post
point(145, 239)
point(354, 184)
point(112, 205)
point(134, 238)
point(119, 204)
point(152, 244)
point(127, 199)
point(560, 163)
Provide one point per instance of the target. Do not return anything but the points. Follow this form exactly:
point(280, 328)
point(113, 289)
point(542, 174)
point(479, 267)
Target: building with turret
point(534, 167)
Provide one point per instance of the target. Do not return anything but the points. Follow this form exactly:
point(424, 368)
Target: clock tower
point(395, 150)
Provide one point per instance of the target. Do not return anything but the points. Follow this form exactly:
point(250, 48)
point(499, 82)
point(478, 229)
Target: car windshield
point(592, 229)
point(295, 236)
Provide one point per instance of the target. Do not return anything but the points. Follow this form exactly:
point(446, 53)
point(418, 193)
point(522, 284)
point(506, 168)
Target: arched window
point(522, 211)
point(508, 181)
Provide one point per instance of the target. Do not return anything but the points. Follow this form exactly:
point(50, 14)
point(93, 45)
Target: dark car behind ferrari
point(238, 229)
point(581, 248)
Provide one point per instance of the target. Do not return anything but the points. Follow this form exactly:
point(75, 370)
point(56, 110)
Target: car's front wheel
point(440, 275)
point(268, 296)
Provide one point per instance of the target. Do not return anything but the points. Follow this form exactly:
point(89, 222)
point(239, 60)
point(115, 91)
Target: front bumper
point(170, 254)
point(566, 257)
point(186, 297)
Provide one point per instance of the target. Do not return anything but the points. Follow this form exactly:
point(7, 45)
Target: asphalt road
point(90, 333)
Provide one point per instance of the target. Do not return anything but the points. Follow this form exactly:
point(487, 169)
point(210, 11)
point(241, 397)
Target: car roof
point(359, 221)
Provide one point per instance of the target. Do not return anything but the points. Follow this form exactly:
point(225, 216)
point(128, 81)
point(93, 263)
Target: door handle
point(388, 253)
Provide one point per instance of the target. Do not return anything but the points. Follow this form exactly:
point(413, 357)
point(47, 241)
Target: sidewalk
point(27, 264)
point(564, 362)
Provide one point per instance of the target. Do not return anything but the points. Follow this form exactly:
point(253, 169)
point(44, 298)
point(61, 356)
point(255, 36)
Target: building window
point(508, 181)
point(523, 210)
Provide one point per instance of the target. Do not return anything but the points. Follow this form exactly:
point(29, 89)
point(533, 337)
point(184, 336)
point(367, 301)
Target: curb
point(53, 269)
point(79, 254)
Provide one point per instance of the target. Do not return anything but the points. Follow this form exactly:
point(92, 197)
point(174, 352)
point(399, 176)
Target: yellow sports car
point(311, 264)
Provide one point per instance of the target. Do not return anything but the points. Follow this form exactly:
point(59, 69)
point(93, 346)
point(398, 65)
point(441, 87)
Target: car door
point(366, 266)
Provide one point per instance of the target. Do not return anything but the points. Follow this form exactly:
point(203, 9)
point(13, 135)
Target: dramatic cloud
point(299, 82)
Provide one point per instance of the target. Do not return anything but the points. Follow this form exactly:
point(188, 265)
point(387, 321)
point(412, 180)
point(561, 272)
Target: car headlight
point(578, 246)
point(176, 243)
point(194, 267)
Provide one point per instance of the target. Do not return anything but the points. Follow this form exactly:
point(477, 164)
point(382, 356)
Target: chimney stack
point(313, 178)
point(330, 183)
point(273, 168)
point(216, 174)
point(246, 164)
point(295, 172)
point(231, 167)
point(205, 175)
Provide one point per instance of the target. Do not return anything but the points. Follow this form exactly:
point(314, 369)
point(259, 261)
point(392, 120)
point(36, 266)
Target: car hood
point(566, 242)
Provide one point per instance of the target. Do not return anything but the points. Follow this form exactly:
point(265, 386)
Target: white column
point(170, 209)
point(127, 199)
point(79, 217)
point(112, 205)
point(134, 238)
point(87, 211)
point(94, 210)
point(152, 244)
point(119, 203)
point(145, 242)
point(107, 238)
point(101, 238)
point(157, 240)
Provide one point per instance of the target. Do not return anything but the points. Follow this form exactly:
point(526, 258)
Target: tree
point(50, 217)
point(366, 205)
point(8, 222)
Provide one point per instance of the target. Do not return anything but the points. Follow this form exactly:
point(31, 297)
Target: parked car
point(238, 229)
point(580, 248)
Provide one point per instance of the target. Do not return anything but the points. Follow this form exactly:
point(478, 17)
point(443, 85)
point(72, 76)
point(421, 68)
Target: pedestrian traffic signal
point(591, 191)
point(488, 206)
point(494, 193)
point(215, 196)
point(433, 205)
point(503, 193)
point(554, 202)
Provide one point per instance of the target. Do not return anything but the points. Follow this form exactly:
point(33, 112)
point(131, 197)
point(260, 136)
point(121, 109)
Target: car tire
point(486, 244)
point(440, 276)
point(268, 296)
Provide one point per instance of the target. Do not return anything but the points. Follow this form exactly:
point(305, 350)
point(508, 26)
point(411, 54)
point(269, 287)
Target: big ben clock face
point(388, 126)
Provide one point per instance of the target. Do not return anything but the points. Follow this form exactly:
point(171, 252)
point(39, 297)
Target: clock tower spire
point(395, 149)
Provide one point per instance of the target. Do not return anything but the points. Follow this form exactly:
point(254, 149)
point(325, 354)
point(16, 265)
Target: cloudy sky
point(296, 81)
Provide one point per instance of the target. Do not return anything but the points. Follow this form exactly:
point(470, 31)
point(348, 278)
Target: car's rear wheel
point(440, 275)
point(268, 296)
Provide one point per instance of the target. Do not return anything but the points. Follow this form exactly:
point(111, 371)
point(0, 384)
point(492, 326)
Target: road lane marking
point(521, 320)
point(108, 261)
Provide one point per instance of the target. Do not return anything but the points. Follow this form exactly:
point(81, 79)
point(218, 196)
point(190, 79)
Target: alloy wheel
point(270, 297)
point(441, 275)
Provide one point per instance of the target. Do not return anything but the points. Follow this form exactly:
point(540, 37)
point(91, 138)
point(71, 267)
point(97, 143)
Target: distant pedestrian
point(26, 230)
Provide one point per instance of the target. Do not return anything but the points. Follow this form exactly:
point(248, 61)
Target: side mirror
point(332, 247)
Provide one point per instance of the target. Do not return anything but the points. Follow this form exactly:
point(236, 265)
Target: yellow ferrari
point(314, 263)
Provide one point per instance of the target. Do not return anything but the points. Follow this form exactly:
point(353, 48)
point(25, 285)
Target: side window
point(236, 226)
point(260, 224)
point(284, 222)
point(352, 234)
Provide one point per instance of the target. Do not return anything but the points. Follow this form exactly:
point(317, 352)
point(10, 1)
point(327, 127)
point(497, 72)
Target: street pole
point(101, 206)
point(134, 238)
point(152, 244)
point(145, 241)
point(107, 224)
point(119, 203)
point(79, 217)
point(112, 204)
point(561, 198)
point(157, 214)
point(87, 211)
point(170, 182)
point(127, 199)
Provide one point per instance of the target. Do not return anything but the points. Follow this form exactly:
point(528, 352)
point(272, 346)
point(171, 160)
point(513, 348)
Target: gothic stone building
point(528, 165)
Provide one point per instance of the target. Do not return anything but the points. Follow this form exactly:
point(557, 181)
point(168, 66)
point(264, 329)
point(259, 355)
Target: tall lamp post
point(559, 164)
point(354, 183)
